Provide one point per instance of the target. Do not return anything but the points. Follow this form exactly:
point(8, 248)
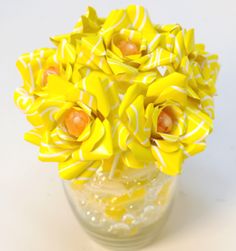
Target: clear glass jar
point(126, 211)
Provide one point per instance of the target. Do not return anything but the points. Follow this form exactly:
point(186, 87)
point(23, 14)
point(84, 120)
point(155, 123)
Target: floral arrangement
point(117, 92)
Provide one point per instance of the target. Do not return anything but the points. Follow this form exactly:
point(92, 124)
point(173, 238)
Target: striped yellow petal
point(88, 173)
point(60, 133)
point(158, 58)
point(76, 75)
point(190, 150)
point(94, 44)
point(136, 121)
point(66, 52)
point(189, 41)
point(47, 111)
point(145, 78)
point(22, 99)
point(57, 86)
point(131, 94)
point(167, 41)
point(91, 61)
point(141, 22)
point(207, 103)
point(116, 20)
point(120, 135)
point(167, 146)
point(179, 48)
point(71, 169)
point(174, 79)
point(99, 145)
point(30, 64)
point(89, 22)
point(129, 160)
point(49, 152)
point(168, 162)
point(112, 93)
point(97, 133)
point(185, 67)
point(60, 138)
point(118, 67)
point(173, 93)
point(93, 85)
point(34, 136)
point(171, 28)
point(141, 153)
point(198, 127)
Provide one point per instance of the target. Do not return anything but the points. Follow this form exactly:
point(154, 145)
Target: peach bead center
point(128, 48)
point(76, 121)
point(165, 122)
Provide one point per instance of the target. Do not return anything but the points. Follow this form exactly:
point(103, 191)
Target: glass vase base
point(147, 236)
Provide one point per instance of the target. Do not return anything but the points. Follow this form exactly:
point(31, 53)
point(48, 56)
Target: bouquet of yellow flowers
point(118, 91)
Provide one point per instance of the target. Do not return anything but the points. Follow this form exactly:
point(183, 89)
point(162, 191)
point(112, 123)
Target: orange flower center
point(50, 71)
point(165, 122)
point(128, 48)
point(76, 121)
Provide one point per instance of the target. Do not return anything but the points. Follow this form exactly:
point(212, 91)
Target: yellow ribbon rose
point(138, 137)
point(78, 156)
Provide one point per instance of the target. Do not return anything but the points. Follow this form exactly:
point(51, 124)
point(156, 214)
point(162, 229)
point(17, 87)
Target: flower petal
point(71, 169)
point(140, 152)
point(94, 44)
point(34, 136)
point(131, 94)
point(30, 64)
point(169, 163)
point(50, 152)
point(193, 149)
point(158, 58)
point(66, 52)
point(189, 41)
point(199, 126)
point(141, 21)
point(89, 23)
point(176, 79)
point(99, 145)
point(118, 67)
point(116, 20)
point(120, 135)
point(136, 121)
point(93, 85)
point(88, 173)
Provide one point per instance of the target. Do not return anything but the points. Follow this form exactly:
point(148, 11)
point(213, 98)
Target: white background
point(34, 214)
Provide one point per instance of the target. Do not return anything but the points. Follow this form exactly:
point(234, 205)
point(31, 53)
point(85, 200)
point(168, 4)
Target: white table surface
point(34, 213)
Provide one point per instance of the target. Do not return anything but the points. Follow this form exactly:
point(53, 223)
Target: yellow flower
point(35, 68)
point(194, 61)
point(140, 136)
point(79, 155)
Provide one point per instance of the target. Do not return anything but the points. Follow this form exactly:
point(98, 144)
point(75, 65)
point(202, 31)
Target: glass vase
point(126, 211)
